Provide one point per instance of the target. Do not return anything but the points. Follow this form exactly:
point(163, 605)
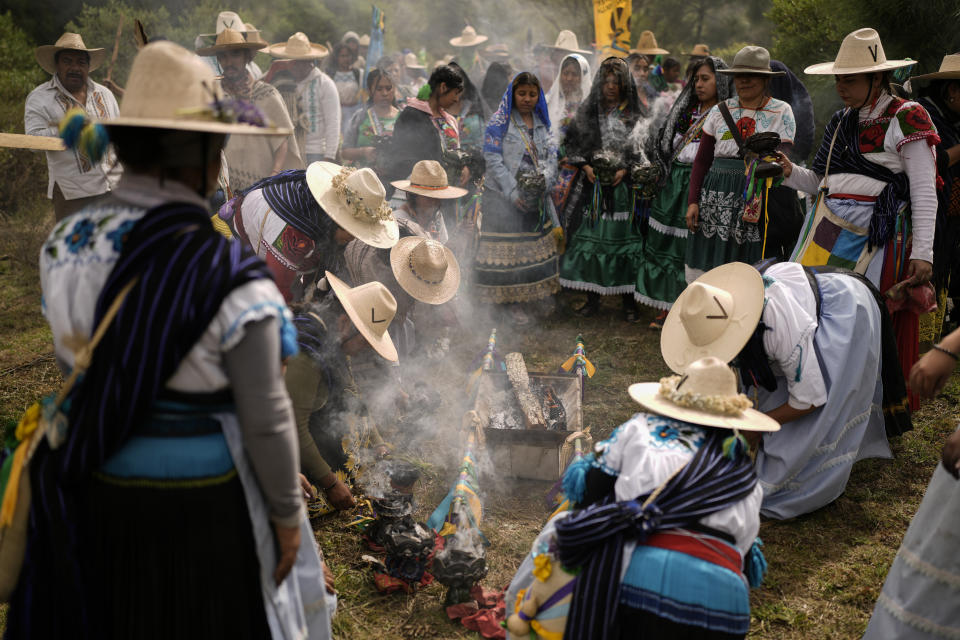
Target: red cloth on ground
point(484, 614)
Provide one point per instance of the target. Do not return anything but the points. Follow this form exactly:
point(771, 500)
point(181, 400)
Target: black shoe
point(629, 308)
point(591, 307)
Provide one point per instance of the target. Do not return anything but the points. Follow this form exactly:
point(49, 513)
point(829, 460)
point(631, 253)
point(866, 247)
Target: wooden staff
point(116, 49)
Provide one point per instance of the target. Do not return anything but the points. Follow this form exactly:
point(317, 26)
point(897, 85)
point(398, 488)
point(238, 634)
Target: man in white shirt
point(75, 181)
point(318, 123)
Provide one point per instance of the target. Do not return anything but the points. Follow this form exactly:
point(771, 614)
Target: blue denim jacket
point(502, 169)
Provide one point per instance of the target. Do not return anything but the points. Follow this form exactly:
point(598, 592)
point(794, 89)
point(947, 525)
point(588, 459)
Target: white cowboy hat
point(860, 52)
point(428, 178)
point(425, 269)
point(468, 38)
point(171, 88)
point(647, 45)
point(298, 47)
point(371, 308)
point(356, 200)
point(226, 20)
point(47, 53)
point(706, 394)
point(410, 61)
point(714, 316)
point(949, 70)
point(230, 40)
point(753, 61)
point(567, 42)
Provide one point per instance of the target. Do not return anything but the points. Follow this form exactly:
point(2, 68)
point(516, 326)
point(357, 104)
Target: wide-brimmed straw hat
point(230, 40)
point(706, 394)
point(752, 60)
point(468, 38)
point(698, 51)
point(949, 70)
point(499, 52)
point(356, 200)
point(371, 308)
point(226, 20)
point(47, 53)
point(647, 45)
point(567, 43)
point(860, 52)
point(714, 316)
point(426, 269)
point(171, 88)
point(428, 178)
point(253, 35)
point(411, 61)
point(298, 47)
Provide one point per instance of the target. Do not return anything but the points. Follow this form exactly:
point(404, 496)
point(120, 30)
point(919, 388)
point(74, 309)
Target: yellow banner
point(611, 23)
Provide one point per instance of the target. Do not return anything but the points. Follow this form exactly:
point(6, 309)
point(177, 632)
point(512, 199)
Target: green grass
point(826, 568)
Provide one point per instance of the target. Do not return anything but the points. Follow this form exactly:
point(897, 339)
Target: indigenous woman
point(371, 127)
point(517, 257)
point(347, 79)
point(817, 344)
point(605, 248)
point(171, 508)
point(918, 600)
point(567, 92)
point(661, 277)
point(660, 551)
point(724, 227)
point(880, 184)
point(470, 113)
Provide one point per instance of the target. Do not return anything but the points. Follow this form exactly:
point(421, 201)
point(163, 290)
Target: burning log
point(520, 380)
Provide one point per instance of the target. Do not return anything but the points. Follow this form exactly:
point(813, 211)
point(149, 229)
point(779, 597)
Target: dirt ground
point(826, 568)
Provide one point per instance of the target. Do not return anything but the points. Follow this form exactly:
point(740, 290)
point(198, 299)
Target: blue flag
point(375, 50)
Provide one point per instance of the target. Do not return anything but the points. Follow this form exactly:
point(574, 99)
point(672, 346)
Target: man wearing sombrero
point(74, 179)
point(252, 158)
point(468, 43)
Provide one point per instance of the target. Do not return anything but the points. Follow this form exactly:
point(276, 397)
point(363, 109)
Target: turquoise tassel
point(755, 564)
point(735, 446)
point(71, 126)
point(575, 479)
point(288, 339)
point(93, 141)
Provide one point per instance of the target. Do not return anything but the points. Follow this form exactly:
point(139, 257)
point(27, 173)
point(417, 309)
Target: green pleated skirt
point(661, 277)
point(604, 256)
point(722, 236)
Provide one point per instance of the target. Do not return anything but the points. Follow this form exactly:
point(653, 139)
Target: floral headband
point(719, 405)
point(353, 200)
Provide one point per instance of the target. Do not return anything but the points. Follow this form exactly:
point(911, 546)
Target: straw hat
point(706, 394)
point(468, 38)
point(567, 42)
point(170, 88)
point(647, 45)
point(714, 316)
point(425, 269)
point(356, 200)
point(698, 51)
point(230, 40)
point(253, 35)
point(860, 52)
point(364, 40)
point(410, 61)
point(949, 70)
point(754, 61)
point(350, 35)
point(226, 20)
point(499, 52)
point(298, 47)
point(67, 42)
point(371, 307)
point(429, 179)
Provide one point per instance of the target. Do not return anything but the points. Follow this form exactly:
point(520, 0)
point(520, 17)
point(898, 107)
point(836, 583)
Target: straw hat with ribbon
point(706, 394)
point(567, 43)
point(714, 316)
point(171, 88)
point(226, 20)
point(371, 308)
point(468, 38)
point(949, 70)
point(297, 47)
point(425, 269)
point(753, 61)
point(429, 179)
point(47, 53)
point(647, 45)
point(356, 200)
point(698, 51)
point(860, 52)
point(230, 40)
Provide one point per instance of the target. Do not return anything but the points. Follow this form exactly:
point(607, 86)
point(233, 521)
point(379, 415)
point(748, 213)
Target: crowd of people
point(248, 267)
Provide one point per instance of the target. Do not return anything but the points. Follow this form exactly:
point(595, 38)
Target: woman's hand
point(919, 271)
point(785, 163)
point(339, 495)
point(619, 176)
point(930, 374)
point(693, 217)
point(288, 543)
point(308, 491)
point(587, 169)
